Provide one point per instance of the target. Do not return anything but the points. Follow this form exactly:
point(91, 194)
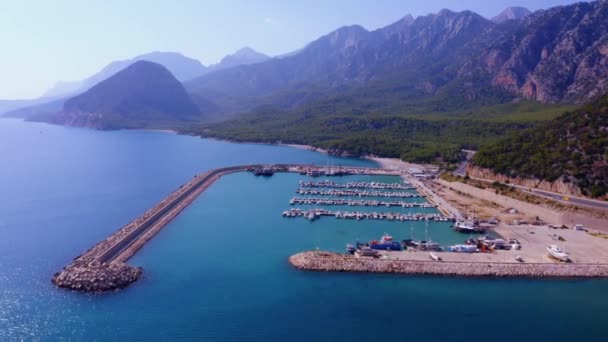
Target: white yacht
point(558, 253)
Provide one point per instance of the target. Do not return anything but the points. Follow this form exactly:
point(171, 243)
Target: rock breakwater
point(334, 262)
point(102, 268)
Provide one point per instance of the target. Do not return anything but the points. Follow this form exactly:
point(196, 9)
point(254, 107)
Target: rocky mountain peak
point(511, 13)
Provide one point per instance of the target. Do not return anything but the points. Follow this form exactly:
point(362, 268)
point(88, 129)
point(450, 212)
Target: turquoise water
point(219, 272)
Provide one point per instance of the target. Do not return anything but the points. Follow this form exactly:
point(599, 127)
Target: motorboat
point(557, 253)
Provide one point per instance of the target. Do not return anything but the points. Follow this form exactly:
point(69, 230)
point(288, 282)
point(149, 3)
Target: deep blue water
point(219, 272)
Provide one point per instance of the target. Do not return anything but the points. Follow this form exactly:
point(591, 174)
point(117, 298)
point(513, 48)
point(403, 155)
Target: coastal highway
point(568, 199)
point(578, 201)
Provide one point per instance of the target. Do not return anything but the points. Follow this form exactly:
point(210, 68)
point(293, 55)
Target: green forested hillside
point(340, 124)
point(573, 146)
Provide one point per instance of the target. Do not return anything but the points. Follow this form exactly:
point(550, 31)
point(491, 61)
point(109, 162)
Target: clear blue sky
point(47, 41)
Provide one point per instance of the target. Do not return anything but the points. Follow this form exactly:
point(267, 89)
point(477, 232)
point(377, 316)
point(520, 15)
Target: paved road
point(580, 201)
point(568, 199)
point(462, 168)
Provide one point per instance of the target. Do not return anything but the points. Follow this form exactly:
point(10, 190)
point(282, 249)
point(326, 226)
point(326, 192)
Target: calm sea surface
point(219, 272)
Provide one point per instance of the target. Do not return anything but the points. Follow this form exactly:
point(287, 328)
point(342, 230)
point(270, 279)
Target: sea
point(219, 271)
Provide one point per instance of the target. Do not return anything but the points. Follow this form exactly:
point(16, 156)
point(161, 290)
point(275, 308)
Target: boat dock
point(356, 215)
point(360, 203)
point(356, 185)
point(358, 193)
point(103, 267)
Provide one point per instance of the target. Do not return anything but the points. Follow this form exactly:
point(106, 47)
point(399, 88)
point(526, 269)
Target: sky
point(48, 41)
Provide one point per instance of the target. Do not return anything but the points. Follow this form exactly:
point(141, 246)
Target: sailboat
point(429, 245)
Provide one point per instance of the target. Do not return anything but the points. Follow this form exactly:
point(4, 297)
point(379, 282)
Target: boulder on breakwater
point(97, 278)
point(334, 262)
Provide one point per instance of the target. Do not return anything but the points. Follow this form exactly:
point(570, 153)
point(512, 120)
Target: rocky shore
point(334, 262)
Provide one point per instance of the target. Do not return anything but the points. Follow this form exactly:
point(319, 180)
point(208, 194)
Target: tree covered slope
point(573, 147)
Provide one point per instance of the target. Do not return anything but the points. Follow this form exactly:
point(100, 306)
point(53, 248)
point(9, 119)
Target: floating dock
point(356, 215)
point(356, 185)
point(359, 203)
point(358, 193)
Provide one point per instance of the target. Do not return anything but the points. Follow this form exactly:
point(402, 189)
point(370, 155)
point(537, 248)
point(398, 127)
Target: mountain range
point(182, 67)
point(420, 88)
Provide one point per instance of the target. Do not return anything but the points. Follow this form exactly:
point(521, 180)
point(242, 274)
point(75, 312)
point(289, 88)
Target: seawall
point(334, 262)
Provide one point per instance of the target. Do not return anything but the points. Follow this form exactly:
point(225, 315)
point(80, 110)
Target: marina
point(104, 266)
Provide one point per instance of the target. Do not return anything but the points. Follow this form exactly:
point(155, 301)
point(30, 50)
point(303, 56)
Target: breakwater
point(334, 262)
point(103, 267)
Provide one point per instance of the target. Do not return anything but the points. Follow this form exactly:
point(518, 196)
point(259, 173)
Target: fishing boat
point(558, 253)
point(385, 243)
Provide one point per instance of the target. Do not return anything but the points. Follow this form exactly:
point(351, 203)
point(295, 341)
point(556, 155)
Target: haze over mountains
point(141, 93)
point(420, 88)
point(182, 67)
point(552, 56)
point(511, 13)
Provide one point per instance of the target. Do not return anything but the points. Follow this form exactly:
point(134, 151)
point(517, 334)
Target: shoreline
point(304, 147)
point(169, 131)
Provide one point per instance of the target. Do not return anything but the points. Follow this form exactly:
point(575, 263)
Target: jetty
point(104, 266)
point(334, 262)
